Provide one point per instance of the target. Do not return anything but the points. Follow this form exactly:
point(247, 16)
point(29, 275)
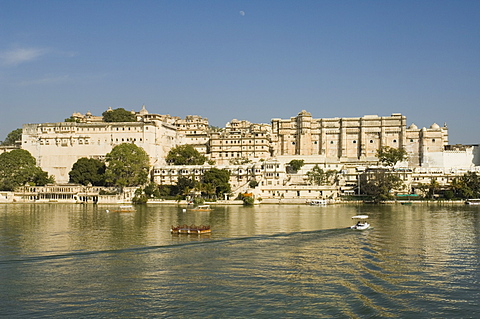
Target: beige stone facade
point(195, 130)
point(354, 138)
point(330, 142)
point(240, 141)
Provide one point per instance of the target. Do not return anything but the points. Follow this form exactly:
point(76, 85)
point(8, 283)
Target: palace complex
point(255, 151)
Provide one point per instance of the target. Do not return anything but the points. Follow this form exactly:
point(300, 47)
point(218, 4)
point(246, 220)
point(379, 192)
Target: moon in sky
point(242, 13)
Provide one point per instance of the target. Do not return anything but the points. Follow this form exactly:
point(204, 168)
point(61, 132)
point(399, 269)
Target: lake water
point(78, 261)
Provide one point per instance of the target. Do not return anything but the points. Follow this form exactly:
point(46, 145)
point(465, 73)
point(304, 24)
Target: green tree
point(140, 197)
point(449, 194)
point(253, 183)
point(165, 191)
point(72, 119)
point(184, 186)
point(17, 168)
point(127, 165)
point(295, 165)
point(379, 184)
point(13, 137)
point(248, 201)
point(42, 178)
point(215, 128)
point(318, 176)
point(467, 186)
point(185, 155)
point(220, 179)
point(152, 191)
point(208, 190)
point(429, 190)
point(433, 187)
point(239, 161)
point(390, 156)
point(88, 171)
point(118, 115)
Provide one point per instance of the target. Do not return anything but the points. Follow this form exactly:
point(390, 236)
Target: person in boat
point(359, 223)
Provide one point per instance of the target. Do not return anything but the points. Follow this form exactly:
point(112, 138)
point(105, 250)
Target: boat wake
point(300, 235)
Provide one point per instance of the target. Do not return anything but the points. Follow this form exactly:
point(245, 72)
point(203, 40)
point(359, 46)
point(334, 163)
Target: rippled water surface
point(78, 261)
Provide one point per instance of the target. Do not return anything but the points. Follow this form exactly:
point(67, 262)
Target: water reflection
point(268, 261)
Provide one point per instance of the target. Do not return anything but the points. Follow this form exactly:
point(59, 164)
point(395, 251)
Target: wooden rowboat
point(190, 229)
point(122, 209)
point(200, 208)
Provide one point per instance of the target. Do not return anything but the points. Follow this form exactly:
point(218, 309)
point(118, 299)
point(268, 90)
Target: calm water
point(77, 261)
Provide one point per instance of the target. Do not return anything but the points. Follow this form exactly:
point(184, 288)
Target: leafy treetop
point(88, 171)
point(118, 115)
point(467, 186)
point(390, 156)
point(380, 184)
point(127, 165)
point(219, 179)
point(12, 137)
point(318, 176)
point(296, 165)
point(185, 155)
point(17, 168)
point(72, 119)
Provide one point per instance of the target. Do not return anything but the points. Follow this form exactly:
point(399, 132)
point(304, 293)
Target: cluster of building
point(259, 152)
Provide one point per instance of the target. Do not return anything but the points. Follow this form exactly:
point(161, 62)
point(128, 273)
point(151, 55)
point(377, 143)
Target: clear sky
point(249, 60)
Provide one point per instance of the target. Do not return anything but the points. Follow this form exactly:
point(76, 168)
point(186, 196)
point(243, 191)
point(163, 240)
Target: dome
point(143, 111)
point(304, 113)
point(435, 126)
point(413, 127)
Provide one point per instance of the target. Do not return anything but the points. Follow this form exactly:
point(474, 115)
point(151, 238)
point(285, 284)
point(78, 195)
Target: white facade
point(453, 156)
point(331, 143)
point(57, 146)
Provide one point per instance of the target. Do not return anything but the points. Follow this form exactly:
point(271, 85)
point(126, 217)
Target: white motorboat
point(361, 222)
point(472, 201)
point(318, 202)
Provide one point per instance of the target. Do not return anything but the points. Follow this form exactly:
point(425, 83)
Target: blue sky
point(252, 60)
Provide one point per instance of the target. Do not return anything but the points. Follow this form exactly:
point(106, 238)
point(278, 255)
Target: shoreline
point(263, 202)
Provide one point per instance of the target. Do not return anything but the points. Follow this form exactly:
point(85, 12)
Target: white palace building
point(249, 150)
